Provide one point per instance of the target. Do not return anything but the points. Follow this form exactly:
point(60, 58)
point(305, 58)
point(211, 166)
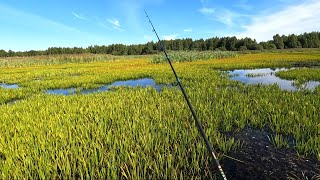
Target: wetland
point(136, 132)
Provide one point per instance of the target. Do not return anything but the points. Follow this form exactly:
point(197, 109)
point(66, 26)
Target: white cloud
point(53, 33)
point(207, 11)
point(33, 20)
point(170, 37)
point(204, 2)
point(114, 22)
point(79, 16)
point(244, 6)
point(222, 15)
point(132, 11)
point(226, 17)
point(103, 25)
point(118, 28)
point(291, 20)
point(187, 30)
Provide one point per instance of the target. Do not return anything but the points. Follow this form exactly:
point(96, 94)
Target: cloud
point(222, 15)
point(187, 30)
point(226, 16)
point(132, 10)
point(243, 5)
point(207, 11)
point(204, 2)
point(32, 20)
point(294, 19)
point(79, 16)
point(170, 37)
point(39, 32)
point(115, 24)
point(103, 25)
point(118, 28)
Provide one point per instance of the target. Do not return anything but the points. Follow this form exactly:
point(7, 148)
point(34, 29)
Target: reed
point(304, 74)
point(140, 133)
point(188, 56)
point(54, 59)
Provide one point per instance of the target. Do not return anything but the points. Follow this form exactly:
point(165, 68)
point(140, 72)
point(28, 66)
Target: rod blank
point(200, 128)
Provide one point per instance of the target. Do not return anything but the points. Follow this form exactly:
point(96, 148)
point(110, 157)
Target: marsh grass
point(279, 141)
point(257, 74)
point(9, 95)
point(139, 133)
point(188, 56)
point(54, 59)
point(301, 75)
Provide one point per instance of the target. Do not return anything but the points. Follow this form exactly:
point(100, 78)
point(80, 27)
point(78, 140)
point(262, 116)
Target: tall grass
point(9, 95)
point(265, 60)
point(139, 133)
point(188, 56)
point(303, 75)
point(54, 59)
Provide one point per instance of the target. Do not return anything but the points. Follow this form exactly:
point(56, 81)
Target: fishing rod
point(202, 132)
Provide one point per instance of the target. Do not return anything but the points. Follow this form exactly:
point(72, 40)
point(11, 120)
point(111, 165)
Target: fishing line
point(203, 134)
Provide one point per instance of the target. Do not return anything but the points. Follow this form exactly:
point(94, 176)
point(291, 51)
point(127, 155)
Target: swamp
point(122, 117)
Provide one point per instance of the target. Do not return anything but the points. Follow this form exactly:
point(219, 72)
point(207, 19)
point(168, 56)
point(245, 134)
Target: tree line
point(306, 40)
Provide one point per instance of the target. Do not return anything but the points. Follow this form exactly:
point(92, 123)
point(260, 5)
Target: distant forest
point(306, 40)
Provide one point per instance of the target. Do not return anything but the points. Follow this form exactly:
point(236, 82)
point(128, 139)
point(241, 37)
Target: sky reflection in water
point(267, 76)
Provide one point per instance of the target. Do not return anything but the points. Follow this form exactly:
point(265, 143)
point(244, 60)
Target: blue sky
point(39, 24)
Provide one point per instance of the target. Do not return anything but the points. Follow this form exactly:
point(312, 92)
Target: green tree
point(222, 44)
point(293, 41)
point(231, 43)
point(268, 45)
point(10, 53)
point(212, 43)
point(278, 41)
point(3, 53)
point(303, 40)
point(187, 44)
point(314, 37)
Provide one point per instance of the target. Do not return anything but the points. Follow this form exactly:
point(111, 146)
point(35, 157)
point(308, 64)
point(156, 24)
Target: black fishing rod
point(203, 134)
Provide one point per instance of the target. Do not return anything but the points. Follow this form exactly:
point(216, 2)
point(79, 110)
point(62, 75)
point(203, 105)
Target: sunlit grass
point(8, 95)
point(54, 59)
point(265, 60)
point(305, 74)
point(140, 132)
point(188, 56)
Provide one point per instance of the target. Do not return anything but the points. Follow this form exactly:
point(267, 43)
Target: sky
point(39, 24)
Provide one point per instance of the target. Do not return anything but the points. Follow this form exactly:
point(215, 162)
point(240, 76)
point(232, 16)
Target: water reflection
point(62, 91)
point(145, 82)
point(9, 86)
point(267, 76)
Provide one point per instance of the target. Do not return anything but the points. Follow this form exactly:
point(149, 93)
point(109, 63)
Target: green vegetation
point(103, 135)
point(279, 141)
point(54, 59)
point(139, 133)
point(188, 56)
point(7, 95)
point(256, 74)
point(302, 75)
point(306, 40)
point(266, 60)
